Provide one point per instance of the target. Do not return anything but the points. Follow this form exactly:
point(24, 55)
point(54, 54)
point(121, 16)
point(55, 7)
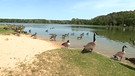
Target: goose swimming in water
point(79, 38)
point(53, 37)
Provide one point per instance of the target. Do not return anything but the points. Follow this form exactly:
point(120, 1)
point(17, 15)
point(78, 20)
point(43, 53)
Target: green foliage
point(116, 18)
point(70, 62)
point(34, 21)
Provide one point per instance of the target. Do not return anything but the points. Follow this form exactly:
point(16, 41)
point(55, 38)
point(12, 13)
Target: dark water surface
point(108, 41)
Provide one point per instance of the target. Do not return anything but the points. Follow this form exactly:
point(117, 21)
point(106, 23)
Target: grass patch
point(70, 62)
point(5, 32)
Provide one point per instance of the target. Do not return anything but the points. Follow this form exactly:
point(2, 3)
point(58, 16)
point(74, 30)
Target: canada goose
point(132, 60)
point(46, 30)
point(67, 34)
point(132, 41)
point(72, 34)
point(79, 38)
point(34, 34)
point(5, 28)
point(52, 28)
point(53, 37)
point(66, 44)
point(90, 46)
point(87, 33)
point(63, 36)
point(82, 34)
point(30, 31)
point(120, 54)
point(24, 32)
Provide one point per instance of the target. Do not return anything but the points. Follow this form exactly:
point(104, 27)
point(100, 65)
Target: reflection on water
point(109, 40)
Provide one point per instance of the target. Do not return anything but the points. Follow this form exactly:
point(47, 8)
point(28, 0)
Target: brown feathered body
point(132, 60)
point(53, 37)
point(33, 34)
point(120, 53)
point(66, 44)
point(90, 46)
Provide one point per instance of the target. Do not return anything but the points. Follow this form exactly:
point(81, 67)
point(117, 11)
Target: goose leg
point(91, 50)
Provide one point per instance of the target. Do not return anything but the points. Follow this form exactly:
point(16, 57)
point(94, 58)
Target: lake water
point(109, 40)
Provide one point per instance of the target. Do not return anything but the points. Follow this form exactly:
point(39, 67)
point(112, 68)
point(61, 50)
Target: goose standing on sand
point(132, 60)
point(90, 46)
point(120, 54)
point(34, 34)
point(66, 44)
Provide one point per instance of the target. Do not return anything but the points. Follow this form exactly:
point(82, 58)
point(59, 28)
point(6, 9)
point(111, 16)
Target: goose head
point(67, 40)
point(68, 43)
point(124, 46)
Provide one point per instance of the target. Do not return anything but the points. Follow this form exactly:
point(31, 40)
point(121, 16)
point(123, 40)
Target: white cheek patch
point(68, 43)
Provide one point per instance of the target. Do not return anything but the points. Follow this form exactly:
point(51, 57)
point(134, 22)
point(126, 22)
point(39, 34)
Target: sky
point(62, 9)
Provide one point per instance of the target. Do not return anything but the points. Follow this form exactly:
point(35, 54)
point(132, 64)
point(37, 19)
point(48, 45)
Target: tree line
point(116, 18)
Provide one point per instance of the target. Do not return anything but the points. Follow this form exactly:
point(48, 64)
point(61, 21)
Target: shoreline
point(10, 55)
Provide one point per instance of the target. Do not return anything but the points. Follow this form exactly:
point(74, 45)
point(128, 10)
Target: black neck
point(94, 39)
point(123, 49)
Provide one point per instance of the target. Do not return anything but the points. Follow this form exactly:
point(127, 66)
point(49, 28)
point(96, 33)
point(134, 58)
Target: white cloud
point(104, 4)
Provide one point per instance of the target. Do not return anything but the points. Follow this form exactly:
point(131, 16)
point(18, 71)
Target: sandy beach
point(14, 49)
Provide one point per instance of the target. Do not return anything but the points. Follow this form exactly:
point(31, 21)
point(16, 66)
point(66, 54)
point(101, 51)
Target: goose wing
point(119, 53)
point(90, 45)
point(66, 44)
